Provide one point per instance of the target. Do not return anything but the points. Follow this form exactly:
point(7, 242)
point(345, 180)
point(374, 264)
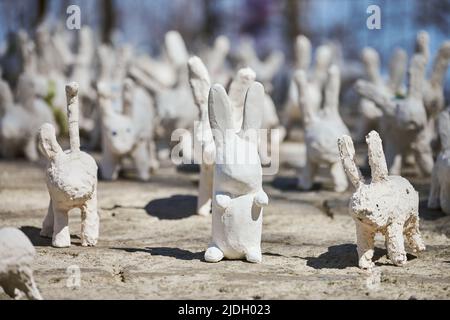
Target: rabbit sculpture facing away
point(71, 181)
point(387, 205)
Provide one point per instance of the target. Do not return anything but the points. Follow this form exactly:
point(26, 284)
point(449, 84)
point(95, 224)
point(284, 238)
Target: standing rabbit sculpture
point(200, 85)
point(71, 181)
point(238, 197)
point(404, 121)
point(440, 180)
point(387, 205)
point(322, 128)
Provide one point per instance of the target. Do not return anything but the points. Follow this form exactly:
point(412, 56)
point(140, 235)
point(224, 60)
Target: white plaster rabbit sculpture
point(388, 205)
point(404, 120)
point(200, 85)
point(265, 69)
point(316, 77)
point(19, 123)
point(440, 180)
point(71, 181)
point(238, 196)
point(433, 88)
point(128, 133)
point(322, 128)
point(16, 256)
point(215, 60)
point(371, 114)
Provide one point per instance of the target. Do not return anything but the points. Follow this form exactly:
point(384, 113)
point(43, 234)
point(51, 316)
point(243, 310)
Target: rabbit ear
point(444, 128)
point(302, 52)
point(304, 101)
point(239, 86)
point(372, 92)
point(397, 68)
point(416, 76)
point(422, 44)
point(47, 141)
point(220, 109)
point(371, 61)
point(347, 155)
point(200, 82)
point(253, 109)
point(377, 160)
point(272, 64)
point(176, 48)
point(104, 98)
point(127, 96)
point(440, 65)
point(331, 104)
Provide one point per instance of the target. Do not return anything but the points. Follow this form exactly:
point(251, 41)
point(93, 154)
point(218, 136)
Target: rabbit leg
point(306, 178)
point(393, 158)
point(47, 225)
point(109, 165)
point(213, 254)
point(413, 236)
point(433, 197)
point(396, 243)
point(31, 149)
point(154, 163)
point(90, 222)
point(365, 244)
point(141, 160)
point(424, 159)
point(339, 177)
point(253, 255)
point(445, 196)
point(205, 190)
point(61, 234)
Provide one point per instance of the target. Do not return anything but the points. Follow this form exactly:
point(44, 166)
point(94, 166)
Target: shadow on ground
point(290, 184)
point(33, 233)
point(175, 207)
point(345, 256)
point(176, 253)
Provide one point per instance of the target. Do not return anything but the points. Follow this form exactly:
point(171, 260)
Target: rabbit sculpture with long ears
point(71, 181)
point(388, 205)
point(238, 196)
point(404, 121)
point(322, 128)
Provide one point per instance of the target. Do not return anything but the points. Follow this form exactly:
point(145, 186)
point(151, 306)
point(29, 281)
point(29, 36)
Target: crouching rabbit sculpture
point(16, 255)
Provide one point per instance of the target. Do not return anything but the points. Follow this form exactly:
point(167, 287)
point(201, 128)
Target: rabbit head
point(410, 112)
point(238, 167)
point(118, 129)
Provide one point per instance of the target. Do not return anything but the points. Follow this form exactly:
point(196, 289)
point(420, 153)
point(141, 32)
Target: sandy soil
point(152, 244)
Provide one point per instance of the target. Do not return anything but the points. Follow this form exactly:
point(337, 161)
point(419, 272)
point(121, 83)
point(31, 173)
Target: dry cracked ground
point(152, 244)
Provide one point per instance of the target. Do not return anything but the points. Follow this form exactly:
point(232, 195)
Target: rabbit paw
point(399, 259)
point(213, 254)
point(261, 199)
point(223, 201)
